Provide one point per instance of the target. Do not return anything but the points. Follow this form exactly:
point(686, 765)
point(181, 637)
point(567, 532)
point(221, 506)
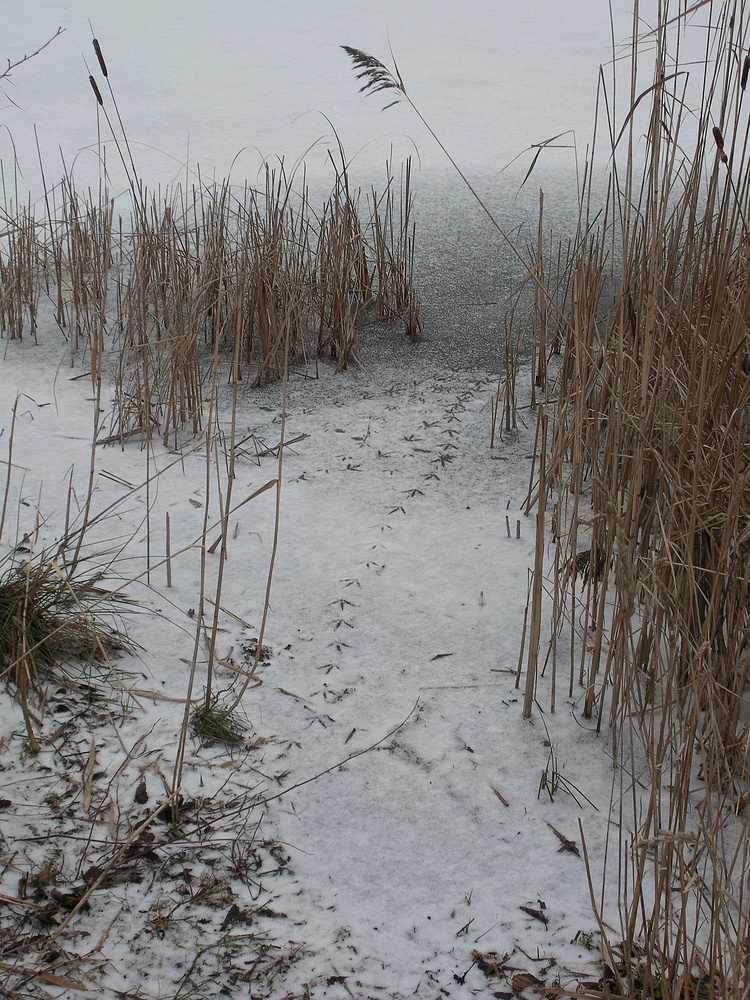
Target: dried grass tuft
point(215, 723)
point(58, 622)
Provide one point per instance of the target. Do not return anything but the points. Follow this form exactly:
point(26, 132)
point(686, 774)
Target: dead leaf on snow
point(523, 980)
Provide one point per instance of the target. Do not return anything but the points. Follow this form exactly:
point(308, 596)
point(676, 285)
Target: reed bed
point(647, 472)
point(211, 273)
point(395, 239)
point(248, 278)
point(20, 273)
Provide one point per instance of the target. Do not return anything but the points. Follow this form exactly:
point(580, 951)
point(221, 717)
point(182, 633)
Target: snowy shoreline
point(396, 594)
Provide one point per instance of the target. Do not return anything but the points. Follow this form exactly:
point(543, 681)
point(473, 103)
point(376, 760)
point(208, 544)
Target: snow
point(398, 597)
point(397, 601)
point(208, 82)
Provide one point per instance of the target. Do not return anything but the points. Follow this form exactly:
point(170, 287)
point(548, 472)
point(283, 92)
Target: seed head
point(375, 74)
point(95, 88)
point(100, 57)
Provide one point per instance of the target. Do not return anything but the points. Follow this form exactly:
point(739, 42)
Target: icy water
point(219, 90)
point(466, 272)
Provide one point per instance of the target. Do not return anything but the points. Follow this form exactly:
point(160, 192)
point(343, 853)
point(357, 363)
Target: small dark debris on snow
point(567, 845)
point(536, 914)
point(490, 962)
point(235, 916)
point(250, 651)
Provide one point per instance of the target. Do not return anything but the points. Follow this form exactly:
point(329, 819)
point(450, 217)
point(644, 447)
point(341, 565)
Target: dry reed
point(649, 470)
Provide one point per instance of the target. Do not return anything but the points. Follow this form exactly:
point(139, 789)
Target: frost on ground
point(380, 832)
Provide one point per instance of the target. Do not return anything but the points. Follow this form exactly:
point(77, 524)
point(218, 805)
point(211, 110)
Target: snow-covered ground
point(397, 601)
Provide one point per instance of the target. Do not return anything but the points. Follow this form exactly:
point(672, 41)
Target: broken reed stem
point(182, 740)
point(6, 492)
point(96, 371)
point(272, 562)
point(555, 618)
point(529, 495)
point(168, 550)
point(539, 340)
point(148, 512)
point(522, 646)
point(227, 505)
point(23, 661)
point(538, 578)
point(199, 624)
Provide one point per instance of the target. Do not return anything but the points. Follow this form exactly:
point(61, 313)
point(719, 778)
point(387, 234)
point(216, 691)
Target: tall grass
point(215, 272)
point(247, 271)
point(649, 473)
point(195, 287)
point(645, 467)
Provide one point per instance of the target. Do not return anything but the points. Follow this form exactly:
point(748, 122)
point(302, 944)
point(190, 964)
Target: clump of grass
point(57, 622)
point(553, 781)
point(212, 722)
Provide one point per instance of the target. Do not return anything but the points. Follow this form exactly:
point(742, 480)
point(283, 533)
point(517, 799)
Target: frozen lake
point(223, 89)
